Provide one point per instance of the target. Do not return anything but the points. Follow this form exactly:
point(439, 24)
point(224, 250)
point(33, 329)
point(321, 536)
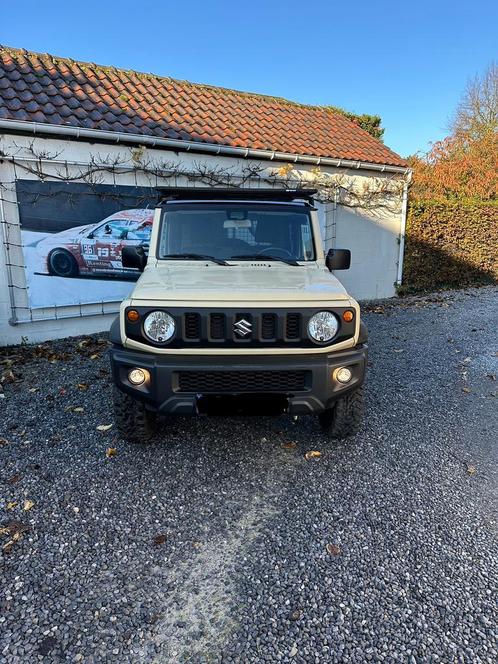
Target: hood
point(73, 234)
point(275, 282)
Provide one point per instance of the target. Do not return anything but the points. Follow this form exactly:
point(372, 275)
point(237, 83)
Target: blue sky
point(406, 61)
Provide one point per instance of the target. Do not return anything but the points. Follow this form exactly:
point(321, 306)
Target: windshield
point(237, 231)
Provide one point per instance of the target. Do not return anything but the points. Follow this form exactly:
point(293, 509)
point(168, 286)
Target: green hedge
point(450, 244)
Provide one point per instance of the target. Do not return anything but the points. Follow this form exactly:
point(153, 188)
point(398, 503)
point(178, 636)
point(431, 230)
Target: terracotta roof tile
point(43, 88)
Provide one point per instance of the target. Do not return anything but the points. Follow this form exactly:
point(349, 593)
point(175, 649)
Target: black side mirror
point(338, 259)
point(134, 257)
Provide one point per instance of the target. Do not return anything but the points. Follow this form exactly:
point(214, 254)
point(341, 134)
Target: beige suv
point(237, 311)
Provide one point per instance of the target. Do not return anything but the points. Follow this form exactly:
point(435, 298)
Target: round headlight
point(159, 326)
point(323, 326)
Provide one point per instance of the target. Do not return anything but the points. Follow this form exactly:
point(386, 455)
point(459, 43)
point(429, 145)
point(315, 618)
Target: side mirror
point(338, 259)
point(134, 257)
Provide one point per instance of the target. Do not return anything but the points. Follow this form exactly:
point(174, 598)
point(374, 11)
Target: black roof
point(234, 193)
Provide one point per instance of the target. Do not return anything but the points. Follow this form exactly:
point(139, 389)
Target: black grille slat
point(192, 326)
point(268, 326)
point(217, 326)
point(202, 382)
point(293, 326)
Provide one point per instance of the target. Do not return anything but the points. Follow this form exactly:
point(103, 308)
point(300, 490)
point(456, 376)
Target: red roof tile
point(43, 88)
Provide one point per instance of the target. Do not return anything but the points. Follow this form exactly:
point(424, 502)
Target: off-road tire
point(62, 263)
point(345, 417)
point(133, 421)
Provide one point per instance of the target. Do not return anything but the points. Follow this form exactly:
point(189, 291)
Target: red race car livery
point(96, 249)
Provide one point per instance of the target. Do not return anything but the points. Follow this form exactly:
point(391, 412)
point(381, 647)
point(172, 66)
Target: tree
point(464, 164)
point(370, 123)
point(477, 111)
point(458, 167)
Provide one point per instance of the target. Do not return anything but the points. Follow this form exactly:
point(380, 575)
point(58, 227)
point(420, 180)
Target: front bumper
point(164, 393)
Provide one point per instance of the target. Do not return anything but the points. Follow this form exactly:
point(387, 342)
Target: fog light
point(343, 375)
point(137, 376)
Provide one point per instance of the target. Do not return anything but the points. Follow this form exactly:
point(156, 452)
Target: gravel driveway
point(222, 543)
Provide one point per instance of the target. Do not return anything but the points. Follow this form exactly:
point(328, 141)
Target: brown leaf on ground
point(12, 504)
point(82, 386)
point(333, 549)
point(466, 390)
point(159, 539)
point(28, 504)
point(471, 469)
point(111, 452)
point(3, 441)
point(289, 446)
point(14, 478)
point(313, 454)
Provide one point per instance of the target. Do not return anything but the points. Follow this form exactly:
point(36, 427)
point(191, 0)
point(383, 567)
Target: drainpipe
point(402, 233)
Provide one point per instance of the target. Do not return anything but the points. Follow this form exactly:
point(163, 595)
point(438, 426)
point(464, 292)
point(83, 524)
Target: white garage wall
point(373, 241)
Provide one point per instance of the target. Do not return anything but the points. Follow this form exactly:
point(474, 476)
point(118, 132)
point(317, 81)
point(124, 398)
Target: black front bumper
point(167, 392)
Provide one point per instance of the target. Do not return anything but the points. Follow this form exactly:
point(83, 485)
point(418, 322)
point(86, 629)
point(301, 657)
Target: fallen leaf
point(111, 452)
point(14, 478)
point(196, 545)
point(78, 409)
point(471, 469)
point(8, 546)
point(333, 549)
point(293, 651)
point(466, 389)
point(83, 343)
point(95, 356)
point(313, 454)
point(289, 446)
point(11, 505)
point(28, 504)
point(34, 389)
point(104, 427)
point(159, 539)
point(82, 386)
point(3, 441)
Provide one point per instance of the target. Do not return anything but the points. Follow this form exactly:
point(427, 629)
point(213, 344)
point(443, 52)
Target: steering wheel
point(275, 251)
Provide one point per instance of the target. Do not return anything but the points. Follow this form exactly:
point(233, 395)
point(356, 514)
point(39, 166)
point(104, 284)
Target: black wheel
point(345, 417)
point(134, 422)
point(62, 263)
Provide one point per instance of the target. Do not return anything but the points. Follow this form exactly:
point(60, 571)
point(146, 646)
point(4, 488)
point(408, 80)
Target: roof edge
point(81, 133)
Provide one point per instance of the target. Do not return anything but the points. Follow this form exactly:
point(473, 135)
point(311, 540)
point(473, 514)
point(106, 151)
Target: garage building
point(84, 145)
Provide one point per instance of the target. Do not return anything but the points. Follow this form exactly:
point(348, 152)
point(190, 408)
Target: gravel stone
point(244, 575)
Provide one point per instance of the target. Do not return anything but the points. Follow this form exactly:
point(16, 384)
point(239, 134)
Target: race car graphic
point(96, 248)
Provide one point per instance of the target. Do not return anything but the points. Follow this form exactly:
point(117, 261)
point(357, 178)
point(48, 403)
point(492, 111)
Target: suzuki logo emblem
point(242, 327)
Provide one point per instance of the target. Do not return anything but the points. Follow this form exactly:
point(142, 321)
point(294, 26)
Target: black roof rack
point(234, 193)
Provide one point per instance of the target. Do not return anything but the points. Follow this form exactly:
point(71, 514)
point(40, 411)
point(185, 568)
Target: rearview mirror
point(134, 257)
point(338, 259)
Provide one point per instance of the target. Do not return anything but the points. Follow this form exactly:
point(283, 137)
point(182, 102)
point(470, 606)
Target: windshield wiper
point(197, 257)
point(263, 257)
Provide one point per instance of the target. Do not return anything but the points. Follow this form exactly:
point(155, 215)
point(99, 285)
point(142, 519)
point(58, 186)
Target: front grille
point(217, 326)
point(268, 326)
point(293, 326)
point(237, 382)
point(235, 328)
point(192, 326)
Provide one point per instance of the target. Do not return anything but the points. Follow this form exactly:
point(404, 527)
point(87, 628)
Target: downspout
point(402, 232)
